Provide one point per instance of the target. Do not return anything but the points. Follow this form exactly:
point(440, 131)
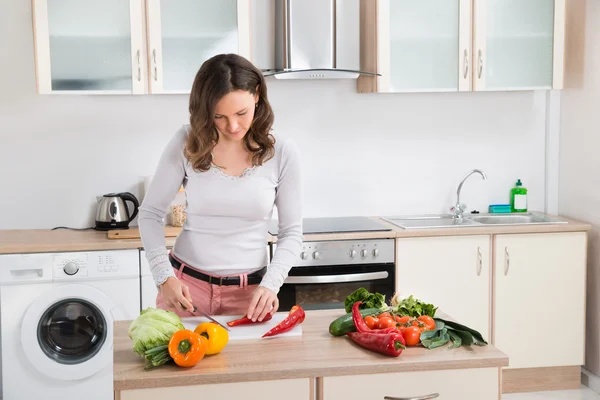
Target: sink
point(435, 221)
point(428, 221)
point(514, 219)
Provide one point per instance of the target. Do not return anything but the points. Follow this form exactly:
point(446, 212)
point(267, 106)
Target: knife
point(210, 318)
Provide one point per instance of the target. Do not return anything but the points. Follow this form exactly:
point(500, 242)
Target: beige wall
point(579, 183)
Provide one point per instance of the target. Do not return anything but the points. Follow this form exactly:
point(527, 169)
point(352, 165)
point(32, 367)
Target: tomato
point(385, 322)
point(371, 322)
point(428, 321)
point(412, 335)
point(384, 315)
point(402, 320)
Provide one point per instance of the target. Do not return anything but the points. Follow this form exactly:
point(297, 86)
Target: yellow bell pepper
point(216, 336)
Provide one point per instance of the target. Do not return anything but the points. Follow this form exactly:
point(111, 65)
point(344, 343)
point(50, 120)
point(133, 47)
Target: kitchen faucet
point(458, 208)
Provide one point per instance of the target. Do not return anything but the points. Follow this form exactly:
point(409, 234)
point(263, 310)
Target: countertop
point(45, 240)
point(315, 353)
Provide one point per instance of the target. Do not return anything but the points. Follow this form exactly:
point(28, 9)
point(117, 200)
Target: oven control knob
point(303, 255)
point(71, 268)
point(352, 253)
point(375, 252)
point(316, 255)
point(364, 253)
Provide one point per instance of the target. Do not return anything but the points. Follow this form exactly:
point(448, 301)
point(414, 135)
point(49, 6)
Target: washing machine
point(56, 321)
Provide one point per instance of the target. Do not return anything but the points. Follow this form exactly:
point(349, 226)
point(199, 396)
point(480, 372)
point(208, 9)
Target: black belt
point(253, 279)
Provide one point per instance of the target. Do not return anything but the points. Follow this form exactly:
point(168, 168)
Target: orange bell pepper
point(186, 348)
point(217, 337)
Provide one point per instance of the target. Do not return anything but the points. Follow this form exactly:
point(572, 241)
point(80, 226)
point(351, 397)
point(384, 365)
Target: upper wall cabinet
point(133, 46)
point(88, 46)
point(462, 45)
point(182, 34)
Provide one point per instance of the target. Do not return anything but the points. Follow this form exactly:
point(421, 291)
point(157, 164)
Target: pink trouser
point(213, 299)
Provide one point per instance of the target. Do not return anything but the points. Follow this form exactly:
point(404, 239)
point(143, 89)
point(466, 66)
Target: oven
point(326, 272)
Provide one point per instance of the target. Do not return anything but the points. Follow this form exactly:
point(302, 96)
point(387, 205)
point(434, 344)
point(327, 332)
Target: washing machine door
point(67, 332)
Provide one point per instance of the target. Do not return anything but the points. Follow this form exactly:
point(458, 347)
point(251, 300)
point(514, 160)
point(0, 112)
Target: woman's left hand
point(263, 302)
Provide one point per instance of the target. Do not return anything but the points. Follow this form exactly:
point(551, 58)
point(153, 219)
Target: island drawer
point(290, 389)
point(456, 384)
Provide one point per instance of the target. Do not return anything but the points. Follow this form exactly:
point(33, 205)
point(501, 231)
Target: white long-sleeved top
point(227, 216)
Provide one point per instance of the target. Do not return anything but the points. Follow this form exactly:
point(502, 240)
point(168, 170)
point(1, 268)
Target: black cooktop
point(335, 225)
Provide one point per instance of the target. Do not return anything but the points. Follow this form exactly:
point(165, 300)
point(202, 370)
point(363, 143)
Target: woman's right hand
point(176, 295)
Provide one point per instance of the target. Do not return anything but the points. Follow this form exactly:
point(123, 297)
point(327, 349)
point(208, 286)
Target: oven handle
point(337, 278)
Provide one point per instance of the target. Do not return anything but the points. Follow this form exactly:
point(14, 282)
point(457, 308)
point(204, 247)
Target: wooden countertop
point(316, 353)
point(45, 240)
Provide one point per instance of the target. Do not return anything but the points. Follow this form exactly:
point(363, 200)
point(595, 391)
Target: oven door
point(326, 287)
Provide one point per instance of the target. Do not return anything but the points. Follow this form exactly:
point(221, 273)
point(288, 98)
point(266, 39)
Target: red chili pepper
point(359, 322)
point(295, 317)
point(361, 325)
point(245, 320)
point(390, 344)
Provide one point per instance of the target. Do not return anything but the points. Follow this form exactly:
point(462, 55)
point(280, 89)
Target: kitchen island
point(313, 366)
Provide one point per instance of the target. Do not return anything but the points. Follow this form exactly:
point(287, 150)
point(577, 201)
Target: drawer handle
point(507, 266)
point(480, 261)
point(465, 64)
point(426, 397)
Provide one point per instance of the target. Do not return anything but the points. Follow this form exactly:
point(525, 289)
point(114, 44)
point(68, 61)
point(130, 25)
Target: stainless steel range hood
point(305, 41)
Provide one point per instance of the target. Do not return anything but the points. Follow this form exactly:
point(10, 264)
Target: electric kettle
point(112, 211)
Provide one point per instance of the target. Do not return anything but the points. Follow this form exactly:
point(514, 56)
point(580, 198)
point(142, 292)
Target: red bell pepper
point(390, 344)
point(245, 320)
point(295, 317)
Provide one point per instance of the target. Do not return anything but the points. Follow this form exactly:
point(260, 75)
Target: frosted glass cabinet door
point(514, 45)
point(425, 45)
point(185, 33)
point(88, 46)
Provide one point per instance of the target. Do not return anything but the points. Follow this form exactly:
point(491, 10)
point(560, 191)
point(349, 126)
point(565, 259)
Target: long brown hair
point(218, 76)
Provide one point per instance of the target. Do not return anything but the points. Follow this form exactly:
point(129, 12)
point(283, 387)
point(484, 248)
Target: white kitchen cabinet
point(424, 45)
point(293, 389)
point(88, 46)
point(462, 45)
point(458, 384)
point(149, 291)
point(452, 272)
point(182, 34)
point(539, 302)
point(91, 47)
point(519, 44)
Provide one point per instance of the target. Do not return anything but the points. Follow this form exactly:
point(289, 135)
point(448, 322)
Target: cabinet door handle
point(426, 397)
point(155, 67)
point(465, 64)
point(480, 62)
point(480, 261)
point(139, 72)
point(507, 265)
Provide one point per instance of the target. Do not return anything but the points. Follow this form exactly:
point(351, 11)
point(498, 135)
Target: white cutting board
point(245, 332)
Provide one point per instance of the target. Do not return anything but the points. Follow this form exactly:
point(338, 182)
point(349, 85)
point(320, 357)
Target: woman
point(234, 173)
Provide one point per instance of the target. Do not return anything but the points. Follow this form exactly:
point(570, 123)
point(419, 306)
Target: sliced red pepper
point(245, 320)
point(295, 317)
point(390, 344)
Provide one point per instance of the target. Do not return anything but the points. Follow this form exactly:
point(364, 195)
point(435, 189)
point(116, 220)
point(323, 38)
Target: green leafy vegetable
point(415, 308)
point(369, 300)
point(449, 331)
point(151, 332)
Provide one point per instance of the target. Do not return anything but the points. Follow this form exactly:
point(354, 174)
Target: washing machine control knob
point(71, 268)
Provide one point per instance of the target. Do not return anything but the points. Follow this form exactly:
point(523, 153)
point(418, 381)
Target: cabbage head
point(154, 327)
